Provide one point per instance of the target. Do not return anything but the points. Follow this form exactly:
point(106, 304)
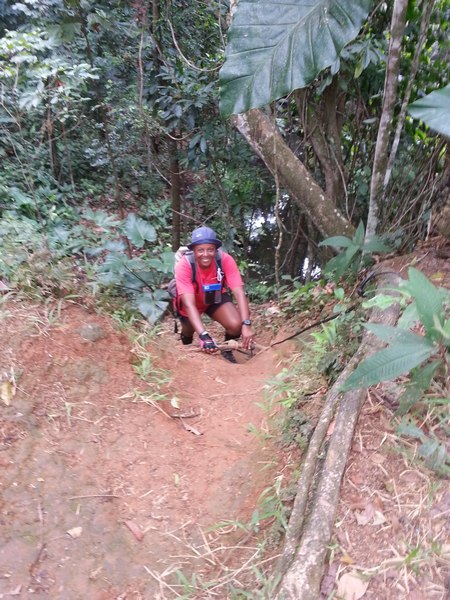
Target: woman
point(214, 272)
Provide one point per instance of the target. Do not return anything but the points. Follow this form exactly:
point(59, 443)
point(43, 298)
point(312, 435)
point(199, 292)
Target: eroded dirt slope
point(135, 489)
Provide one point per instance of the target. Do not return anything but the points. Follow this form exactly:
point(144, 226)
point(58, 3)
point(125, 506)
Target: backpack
point(184, 252)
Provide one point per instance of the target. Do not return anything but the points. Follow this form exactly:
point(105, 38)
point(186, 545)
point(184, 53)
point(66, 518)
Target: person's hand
point(247, 337)
point(207, 344)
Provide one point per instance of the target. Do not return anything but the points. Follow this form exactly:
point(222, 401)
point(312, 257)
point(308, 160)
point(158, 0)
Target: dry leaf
point(175, 402)
point(8, 388)
point(4, 287)
point(75, 532)
point(357, 502)
point(356, 478)
point(378, 459)
point(346, 559)
point(379, 518)
point(126, 395)
point(351, 587)
point(16, 591)
point(395, 523)
point(135, 530)
point(364, 517)
point(378, 503)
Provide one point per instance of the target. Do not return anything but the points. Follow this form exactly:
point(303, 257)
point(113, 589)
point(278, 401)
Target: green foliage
point(274, 48)
point(355, 249)
point(140, 277)
point(32, 261)
point(434, 110)
point(431, 449)
point(407, 350)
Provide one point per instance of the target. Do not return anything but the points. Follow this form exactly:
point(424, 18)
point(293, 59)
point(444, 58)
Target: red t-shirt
point(183, 276)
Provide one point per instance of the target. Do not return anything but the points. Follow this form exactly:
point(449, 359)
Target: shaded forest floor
point(128, 466)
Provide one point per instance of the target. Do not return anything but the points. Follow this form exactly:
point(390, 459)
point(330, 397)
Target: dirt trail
point(77, 454)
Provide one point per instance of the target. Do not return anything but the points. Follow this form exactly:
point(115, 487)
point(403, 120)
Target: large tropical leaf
point(434, 110)
point(389, 363)
point(276, 46)
point(151, 307)
point(139, 231)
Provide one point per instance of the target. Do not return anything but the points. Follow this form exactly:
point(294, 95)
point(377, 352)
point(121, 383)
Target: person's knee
point(233, 328)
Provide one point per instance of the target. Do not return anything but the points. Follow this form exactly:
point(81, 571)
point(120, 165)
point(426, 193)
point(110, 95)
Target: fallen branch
point(308, 534)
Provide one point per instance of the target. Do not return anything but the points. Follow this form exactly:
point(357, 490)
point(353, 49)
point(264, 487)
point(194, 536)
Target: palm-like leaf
point(389, 363)
point(276, 46)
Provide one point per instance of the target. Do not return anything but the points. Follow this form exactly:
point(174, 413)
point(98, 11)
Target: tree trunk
point(266, 140)
point(411, 77)
point(308, 535)
point(390, 88)
point(322, 128)
point(441, 219)
point(175, 180)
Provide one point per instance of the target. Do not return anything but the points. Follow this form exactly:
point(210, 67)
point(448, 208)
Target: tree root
point(301, 564)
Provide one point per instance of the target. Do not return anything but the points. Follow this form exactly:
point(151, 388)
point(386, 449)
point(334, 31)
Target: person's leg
point(228, 316)
point(187, 331)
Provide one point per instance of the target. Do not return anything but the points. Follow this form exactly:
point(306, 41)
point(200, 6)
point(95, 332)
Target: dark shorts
point(212, 308)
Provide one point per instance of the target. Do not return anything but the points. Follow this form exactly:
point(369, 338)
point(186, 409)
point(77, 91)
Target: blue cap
point(204, 235)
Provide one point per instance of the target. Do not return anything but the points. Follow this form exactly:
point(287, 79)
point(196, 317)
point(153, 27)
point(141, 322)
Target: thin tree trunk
point(68, 156)
point(322, 129)
point(146, 137)
point(266, 140)
point(411, 77)
point(384, 130)
point(175, 179)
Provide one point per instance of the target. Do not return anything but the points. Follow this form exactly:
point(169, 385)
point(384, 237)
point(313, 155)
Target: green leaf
point(337, 241)
point(151, 308)
point(434, 110)
point(389, 363)
point(420, 381)
point(444, 330)
point(428, 300)
point(388, 333)
point(275, 47)
point(375, 245)
point(114, 263)
point(408, 428)
point(139, 231)
point(381, 301)
point(358, 238)
point(409, 317)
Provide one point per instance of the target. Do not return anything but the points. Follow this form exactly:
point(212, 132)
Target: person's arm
point(195, 320)
point(244, 311)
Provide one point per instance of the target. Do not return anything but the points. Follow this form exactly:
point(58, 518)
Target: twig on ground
point(94, 496)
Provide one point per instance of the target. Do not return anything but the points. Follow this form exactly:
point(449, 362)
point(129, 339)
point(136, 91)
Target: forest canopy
point(113, 146)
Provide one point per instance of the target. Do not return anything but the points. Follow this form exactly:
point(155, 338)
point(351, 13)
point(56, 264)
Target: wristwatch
point(246, 322)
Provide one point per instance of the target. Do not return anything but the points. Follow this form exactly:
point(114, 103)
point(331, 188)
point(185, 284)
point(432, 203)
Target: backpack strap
point(191, 260)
